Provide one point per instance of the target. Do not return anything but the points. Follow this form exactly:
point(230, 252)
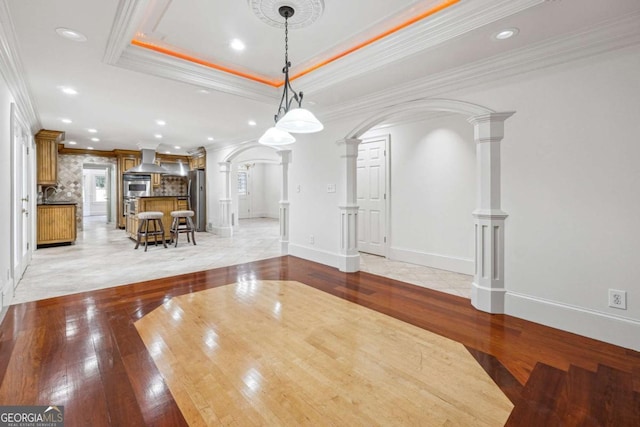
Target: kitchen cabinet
point(47, 156)
point(156, 178)
point(126, 160)
point(56, 224)
point(197, 162)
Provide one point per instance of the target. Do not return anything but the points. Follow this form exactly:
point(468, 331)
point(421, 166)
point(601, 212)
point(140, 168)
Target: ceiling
point(173, 71)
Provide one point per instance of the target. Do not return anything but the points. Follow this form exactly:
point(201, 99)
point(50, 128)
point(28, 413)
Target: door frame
point(387, 183)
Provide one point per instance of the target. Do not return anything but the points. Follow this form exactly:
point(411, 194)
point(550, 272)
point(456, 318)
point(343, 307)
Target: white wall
point(571, 185)
point(570, 180)
point(6, 181)
point(266, 179)
point(432, 174)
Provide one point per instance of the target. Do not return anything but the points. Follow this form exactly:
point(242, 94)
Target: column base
point(284, 248)
point(349, 263)
point(490, 300)
point(223, 231)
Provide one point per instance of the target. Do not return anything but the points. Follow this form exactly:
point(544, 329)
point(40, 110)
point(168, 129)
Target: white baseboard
point(316, 255)
point(616, 330)
point(222, 231)
point(266, 215)
point(458, 265)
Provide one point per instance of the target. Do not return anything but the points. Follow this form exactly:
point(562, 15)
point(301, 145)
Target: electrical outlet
point(618, 299)
point(312, 239)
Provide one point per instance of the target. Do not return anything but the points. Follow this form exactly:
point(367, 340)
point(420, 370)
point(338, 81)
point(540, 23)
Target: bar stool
point(182, 223)
point(155, 219)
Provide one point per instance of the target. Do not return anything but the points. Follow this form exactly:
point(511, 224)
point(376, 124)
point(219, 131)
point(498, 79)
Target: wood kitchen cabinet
point(126, 160)
point(47, 156)
point(56, 224)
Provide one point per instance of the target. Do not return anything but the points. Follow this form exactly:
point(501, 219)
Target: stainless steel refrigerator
point(198, 198)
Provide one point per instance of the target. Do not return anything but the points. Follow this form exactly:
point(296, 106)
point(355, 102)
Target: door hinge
point(385, 196)
point(385, 239)
point(27, 245)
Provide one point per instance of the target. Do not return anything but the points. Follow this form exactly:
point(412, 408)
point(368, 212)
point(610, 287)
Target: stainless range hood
point(148, 164)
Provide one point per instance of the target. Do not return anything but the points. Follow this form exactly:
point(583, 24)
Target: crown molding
point(123, 29)
point(149, 62)
point(445, 25)
point(607, 37)
point(13, 72)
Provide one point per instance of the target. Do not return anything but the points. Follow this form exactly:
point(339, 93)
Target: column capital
point(225, 167)
point(285, 156)
point(489, 127)
point(489, 214)
point(349, 147)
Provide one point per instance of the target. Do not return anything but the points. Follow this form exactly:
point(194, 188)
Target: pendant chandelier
point(289, 120)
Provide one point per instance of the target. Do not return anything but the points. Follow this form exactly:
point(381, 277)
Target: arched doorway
point(225, 202)
point(488, 289)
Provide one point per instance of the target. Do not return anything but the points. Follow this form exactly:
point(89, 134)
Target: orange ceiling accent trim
point(278, 83)
point(374, 39)
point(193, 59)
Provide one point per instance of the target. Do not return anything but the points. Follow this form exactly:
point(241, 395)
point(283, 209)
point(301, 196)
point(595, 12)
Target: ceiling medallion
point(307, 12)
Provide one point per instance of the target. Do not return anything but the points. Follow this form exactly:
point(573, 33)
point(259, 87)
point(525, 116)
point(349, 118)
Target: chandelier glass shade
point(275, 136)
point(294, 120)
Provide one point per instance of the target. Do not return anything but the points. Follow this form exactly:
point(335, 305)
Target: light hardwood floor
point(283, 353)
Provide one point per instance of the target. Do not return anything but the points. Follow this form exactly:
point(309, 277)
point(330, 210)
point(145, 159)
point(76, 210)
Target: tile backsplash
point(70, 168)
point(171, 186)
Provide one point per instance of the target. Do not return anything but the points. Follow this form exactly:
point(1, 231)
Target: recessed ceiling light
point(237, 44)
point(506, 34)
point(70, 34)
point(177, 147)
point(167, 152)
point(67, 121)
point(204, 91)
point(92, 130)
point(95, 139)
point(252, 123)
point(89, 148)
point(68, 90)
point(71, 142)
point(158, 136)
point(161, 122)
point(210, 138)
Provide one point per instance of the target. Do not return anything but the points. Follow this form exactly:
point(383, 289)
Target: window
point(101, 191)
point(242, 183)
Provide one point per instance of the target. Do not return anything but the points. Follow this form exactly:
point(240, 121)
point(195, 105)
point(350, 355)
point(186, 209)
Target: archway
point(488, 289)
point(225, 229)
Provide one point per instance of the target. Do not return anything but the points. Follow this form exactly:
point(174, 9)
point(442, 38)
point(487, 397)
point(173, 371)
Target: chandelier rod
point(285, 101)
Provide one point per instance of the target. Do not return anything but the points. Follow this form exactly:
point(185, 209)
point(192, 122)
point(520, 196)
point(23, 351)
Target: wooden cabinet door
point(56, 224)
point(47, 159)
point(128, 162)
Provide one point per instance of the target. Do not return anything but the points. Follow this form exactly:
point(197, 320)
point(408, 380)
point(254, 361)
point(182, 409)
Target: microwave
point(135, 185)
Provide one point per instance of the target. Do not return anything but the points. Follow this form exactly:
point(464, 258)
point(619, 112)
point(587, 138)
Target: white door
point(244, 194)
point(372, 194)
point(23, 205)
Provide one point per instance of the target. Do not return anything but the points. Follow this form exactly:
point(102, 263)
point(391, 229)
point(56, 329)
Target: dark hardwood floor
point(83, 351)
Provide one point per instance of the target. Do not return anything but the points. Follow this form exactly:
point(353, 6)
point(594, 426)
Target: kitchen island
point(164, 204)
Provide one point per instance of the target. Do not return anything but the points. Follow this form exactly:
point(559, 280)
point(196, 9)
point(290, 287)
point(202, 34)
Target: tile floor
point(104, 257)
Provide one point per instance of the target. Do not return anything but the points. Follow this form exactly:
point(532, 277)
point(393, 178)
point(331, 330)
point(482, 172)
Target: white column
point(225, 229)
point(488, 288)
point(285, 159)
point(349, 260)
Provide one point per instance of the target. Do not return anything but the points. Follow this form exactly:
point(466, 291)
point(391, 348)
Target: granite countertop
point(158, 197)
point(58, 202)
